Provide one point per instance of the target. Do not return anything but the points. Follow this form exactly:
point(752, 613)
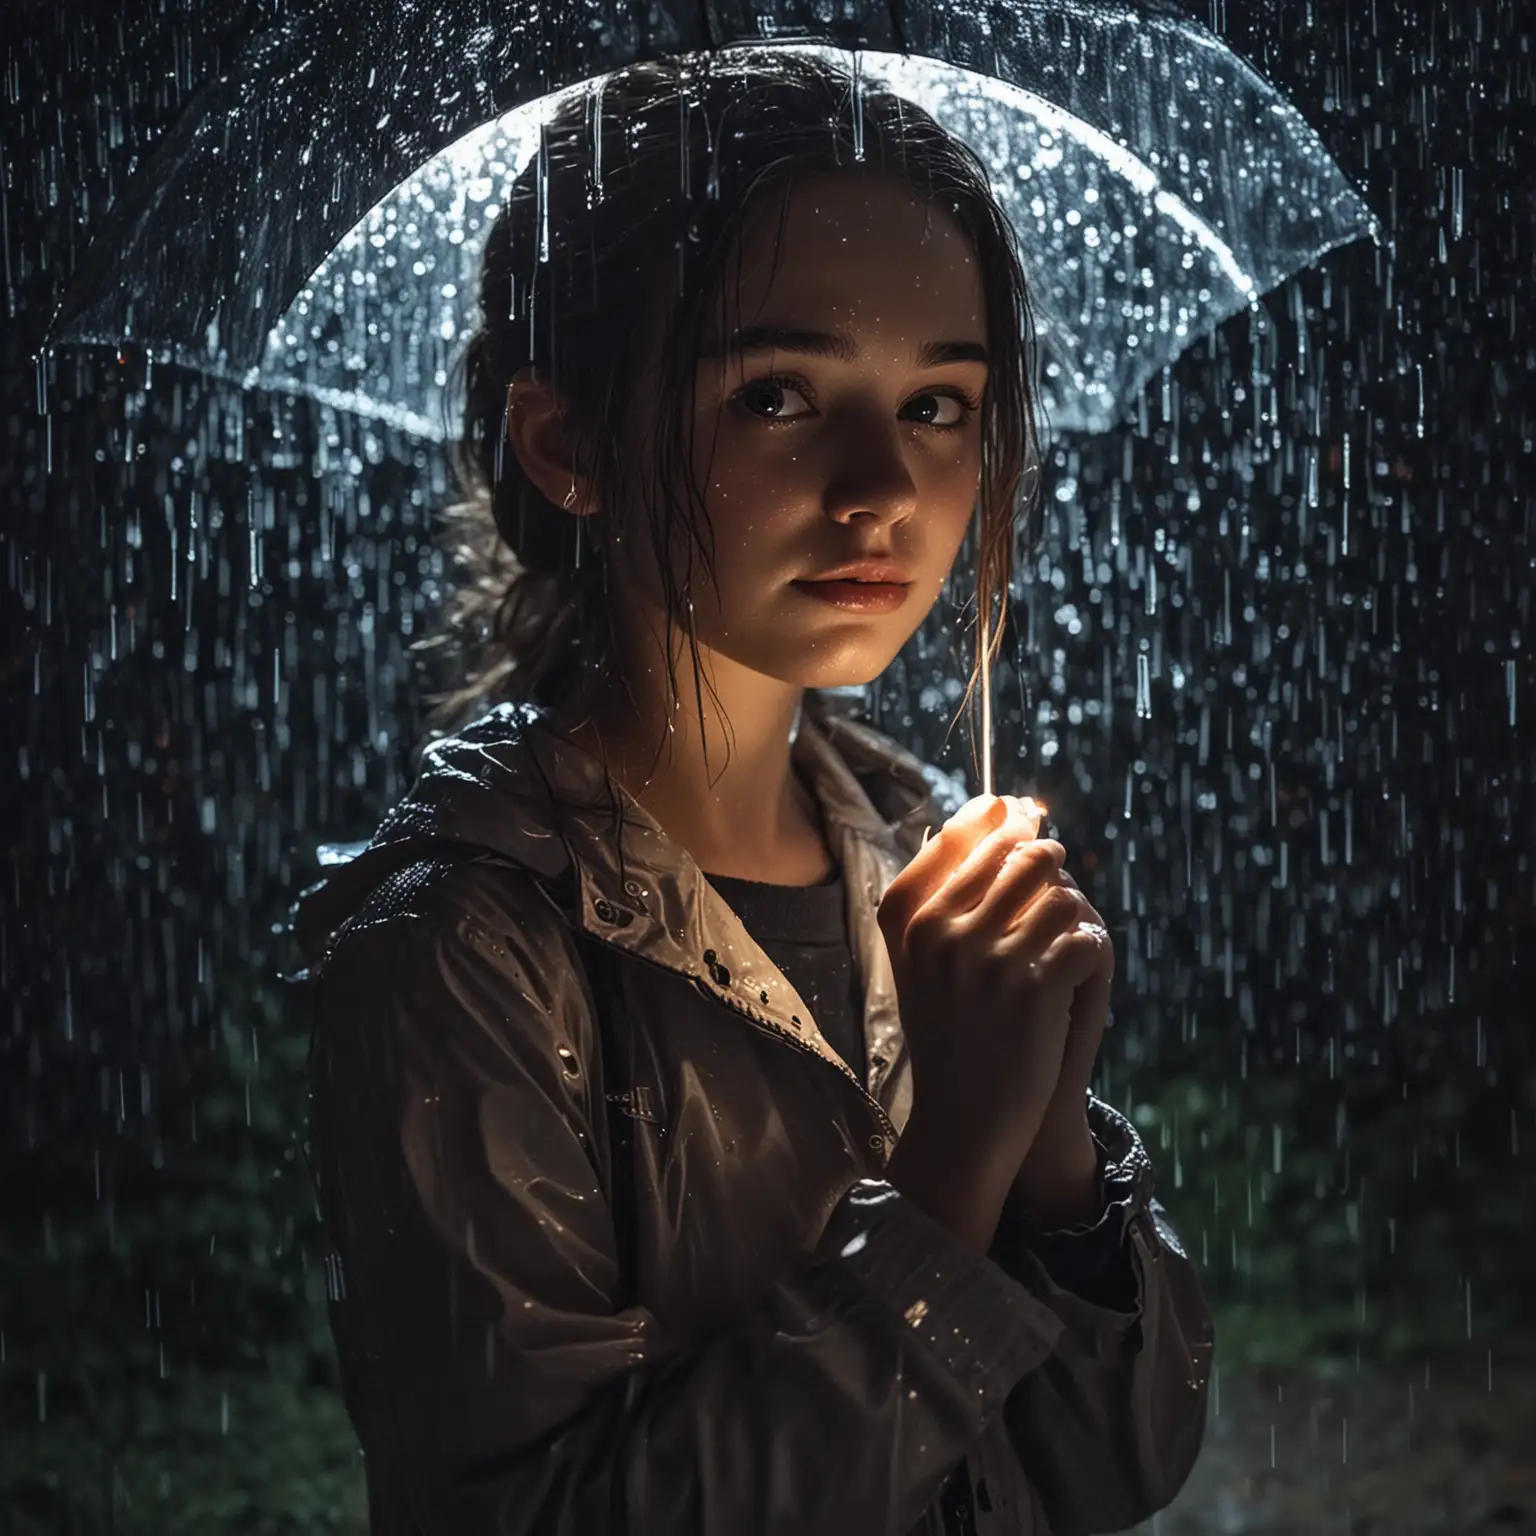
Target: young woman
point(705, 1148)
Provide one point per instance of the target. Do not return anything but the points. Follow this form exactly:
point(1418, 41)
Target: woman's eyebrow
point(837, 345)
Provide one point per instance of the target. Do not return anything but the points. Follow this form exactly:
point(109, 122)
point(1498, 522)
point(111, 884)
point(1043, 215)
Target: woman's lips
point(858, 596)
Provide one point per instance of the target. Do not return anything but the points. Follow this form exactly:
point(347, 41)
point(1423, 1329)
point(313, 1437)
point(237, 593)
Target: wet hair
point(632, 207)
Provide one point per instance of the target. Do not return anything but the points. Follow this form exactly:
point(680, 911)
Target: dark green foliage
point(168, 1363)
point(1397, 1245)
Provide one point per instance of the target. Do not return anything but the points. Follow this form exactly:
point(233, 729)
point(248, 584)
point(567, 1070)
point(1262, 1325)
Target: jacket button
point(709, 957)
point(763, 996)
point(604, 911)
point(722, 976)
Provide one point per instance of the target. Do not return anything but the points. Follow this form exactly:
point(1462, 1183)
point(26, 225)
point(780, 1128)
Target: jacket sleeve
point(1110, 1427)
point(493, 1384)
point(1091, 1261)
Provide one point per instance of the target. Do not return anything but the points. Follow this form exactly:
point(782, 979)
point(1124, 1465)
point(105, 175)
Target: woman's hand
point(989, 948)
point(1058, 1183)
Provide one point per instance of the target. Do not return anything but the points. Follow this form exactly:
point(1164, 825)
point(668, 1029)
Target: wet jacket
point(757, 1333)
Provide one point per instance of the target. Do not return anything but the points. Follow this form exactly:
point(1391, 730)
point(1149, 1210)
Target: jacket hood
point(507, 784)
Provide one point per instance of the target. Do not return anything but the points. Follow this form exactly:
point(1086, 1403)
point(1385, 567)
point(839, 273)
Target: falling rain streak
point(1269, 671)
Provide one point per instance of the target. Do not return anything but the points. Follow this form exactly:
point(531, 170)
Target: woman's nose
point(872, 478)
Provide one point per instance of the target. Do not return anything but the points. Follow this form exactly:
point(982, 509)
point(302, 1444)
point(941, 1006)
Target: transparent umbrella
point(1129, 260)
point(340, 181)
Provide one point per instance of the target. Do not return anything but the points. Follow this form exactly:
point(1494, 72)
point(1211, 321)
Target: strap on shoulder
point(616, 1077)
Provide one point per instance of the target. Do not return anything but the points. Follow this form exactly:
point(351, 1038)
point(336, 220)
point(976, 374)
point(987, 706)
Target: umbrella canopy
point(342, 175)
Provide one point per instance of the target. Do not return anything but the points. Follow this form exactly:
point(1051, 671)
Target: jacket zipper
point(707, 989)
point(957, 1503)
point(780, 1033)
point(957, 1507)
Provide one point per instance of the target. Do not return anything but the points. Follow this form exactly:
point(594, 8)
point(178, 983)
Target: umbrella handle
point(986, 716)
point(982, 638)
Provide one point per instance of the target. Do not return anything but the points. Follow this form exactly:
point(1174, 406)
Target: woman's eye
point(769, 400)
point(770, 394)
point(942, 410)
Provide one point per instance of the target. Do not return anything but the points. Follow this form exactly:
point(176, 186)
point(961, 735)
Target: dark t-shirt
point(803, 929)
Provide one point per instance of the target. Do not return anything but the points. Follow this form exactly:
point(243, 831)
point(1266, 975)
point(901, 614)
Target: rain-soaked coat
point(799, 1350)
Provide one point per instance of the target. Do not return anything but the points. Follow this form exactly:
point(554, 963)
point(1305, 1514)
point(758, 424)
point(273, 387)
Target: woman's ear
point(536, 433)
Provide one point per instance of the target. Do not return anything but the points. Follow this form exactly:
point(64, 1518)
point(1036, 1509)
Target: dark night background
point(1276, 687)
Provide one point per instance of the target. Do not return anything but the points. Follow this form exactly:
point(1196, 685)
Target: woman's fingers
point(957, 868)
point(931, 864)
point(1016, 837)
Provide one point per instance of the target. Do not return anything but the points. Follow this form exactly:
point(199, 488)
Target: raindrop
point(858, 105)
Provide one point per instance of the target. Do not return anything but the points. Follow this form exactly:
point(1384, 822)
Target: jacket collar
point(507, 784)
point(508, 787)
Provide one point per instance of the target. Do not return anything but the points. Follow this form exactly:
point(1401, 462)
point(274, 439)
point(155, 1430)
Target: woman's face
point(866, 442)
